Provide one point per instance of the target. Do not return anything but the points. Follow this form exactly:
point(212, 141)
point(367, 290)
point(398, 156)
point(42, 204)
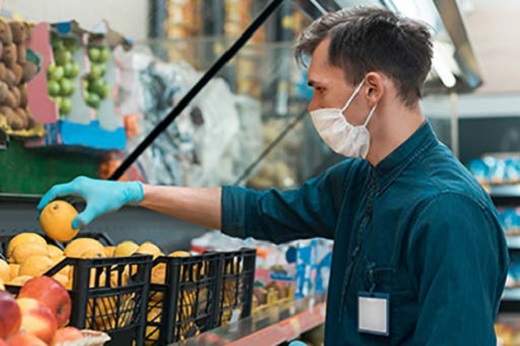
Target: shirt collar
point(386, 171)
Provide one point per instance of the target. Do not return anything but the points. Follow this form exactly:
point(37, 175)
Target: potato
point(18, 32)
point(29, 71)
point(14, 121)
point(6, 36)
point(9, 56)
point(21, 52)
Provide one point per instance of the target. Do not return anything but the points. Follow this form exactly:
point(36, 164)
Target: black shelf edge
point(510, 301)
point(513, 242)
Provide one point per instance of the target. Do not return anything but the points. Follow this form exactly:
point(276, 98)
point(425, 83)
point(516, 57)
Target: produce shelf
point(513, 242)
point(505, 190)
point(269, 326)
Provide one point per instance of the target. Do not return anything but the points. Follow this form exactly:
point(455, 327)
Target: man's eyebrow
point(311, 83)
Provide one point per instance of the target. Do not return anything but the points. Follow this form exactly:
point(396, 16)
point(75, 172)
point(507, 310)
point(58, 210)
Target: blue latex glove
point(297, 343)
point(101, 196)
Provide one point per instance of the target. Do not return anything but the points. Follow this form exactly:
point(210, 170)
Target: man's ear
point(374, 88)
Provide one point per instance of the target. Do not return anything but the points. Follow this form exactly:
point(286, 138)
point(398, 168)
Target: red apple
point(66, 334)
point(10, 315)
point(37, 319)
point(3, 343)
point(51, 293)
point(24, 339)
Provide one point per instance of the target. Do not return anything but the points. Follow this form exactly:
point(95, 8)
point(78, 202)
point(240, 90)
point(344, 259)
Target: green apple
point(62, 57)
point(94, 53)
point(93, 100)
point(97, 71)
point(67, 87)
point(70, 44)
point(66, 105)
point(97, 86)
point(59, 101)
point(105, 91)
point(56, 42)
point(53, 87)
point(71, 69)
point(50, 70)
point(104, 54)
point(75, 69)
point(57, 73)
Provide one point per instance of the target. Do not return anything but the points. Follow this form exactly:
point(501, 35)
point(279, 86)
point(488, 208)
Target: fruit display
point(134, 292)
point(62, 73)
point(39, 316)
point(83, 264)
point(96, 87)
point(16, 69)
point(271, 294)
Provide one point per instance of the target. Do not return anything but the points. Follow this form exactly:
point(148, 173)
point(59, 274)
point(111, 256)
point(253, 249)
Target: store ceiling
point(492, 27)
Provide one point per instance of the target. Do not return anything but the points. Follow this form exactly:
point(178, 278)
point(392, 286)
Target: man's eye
point(319, 89)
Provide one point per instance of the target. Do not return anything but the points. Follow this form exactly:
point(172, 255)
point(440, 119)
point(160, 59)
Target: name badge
point(374, 313)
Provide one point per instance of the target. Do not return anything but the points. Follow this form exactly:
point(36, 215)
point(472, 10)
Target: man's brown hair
point(365, 39)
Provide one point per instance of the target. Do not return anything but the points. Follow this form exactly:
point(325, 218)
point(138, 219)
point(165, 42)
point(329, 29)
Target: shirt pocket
point(403, 302)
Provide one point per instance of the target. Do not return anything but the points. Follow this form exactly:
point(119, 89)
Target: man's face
point(331, 90)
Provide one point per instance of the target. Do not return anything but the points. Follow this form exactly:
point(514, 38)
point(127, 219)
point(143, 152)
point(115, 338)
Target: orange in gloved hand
point(56, 220)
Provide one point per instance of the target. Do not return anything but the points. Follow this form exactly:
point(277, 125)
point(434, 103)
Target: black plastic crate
point(116, 306)
point(183, 303)
point(110, 295)
point(235, 289)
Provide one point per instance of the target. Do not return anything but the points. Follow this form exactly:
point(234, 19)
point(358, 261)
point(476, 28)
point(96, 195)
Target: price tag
point(235, 315)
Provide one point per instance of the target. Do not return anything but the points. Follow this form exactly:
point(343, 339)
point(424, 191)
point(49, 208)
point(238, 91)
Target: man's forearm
point(201, 206)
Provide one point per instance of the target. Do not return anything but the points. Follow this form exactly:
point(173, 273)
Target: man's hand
point(101, 196)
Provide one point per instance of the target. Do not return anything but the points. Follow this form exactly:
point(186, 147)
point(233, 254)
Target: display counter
point(271, 325)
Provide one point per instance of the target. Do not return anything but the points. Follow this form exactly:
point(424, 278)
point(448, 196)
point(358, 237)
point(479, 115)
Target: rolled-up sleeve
point(281, 216)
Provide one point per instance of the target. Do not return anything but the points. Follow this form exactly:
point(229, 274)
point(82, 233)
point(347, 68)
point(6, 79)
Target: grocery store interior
point(202, 93)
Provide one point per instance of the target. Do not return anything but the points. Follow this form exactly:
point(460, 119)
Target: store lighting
point(457, 68)
point(442, 59)
point(318, 6)
point(418, 9)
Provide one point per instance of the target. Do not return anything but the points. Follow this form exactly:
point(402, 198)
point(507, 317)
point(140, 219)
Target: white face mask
point(340, 135)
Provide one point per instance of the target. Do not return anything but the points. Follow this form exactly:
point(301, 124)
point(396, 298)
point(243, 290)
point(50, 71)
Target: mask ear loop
point(370, 115)
point(356, 91)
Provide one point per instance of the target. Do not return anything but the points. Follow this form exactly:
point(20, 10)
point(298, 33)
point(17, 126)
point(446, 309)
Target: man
point(419, 256)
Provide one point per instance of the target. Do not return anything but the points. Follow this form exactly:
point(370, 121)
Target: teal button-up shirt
point(417, 226)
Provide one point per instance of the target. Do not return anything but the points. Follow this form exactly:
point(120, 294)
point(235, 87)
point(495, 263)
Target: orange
point(148, 248)
point(180, 253)
point(62, 279)
point(5, 272)
point(24, 238)
point(19, 280)
point(14, 269)
point(54, 251)
point(35, 265)
point(80, 245)
point(56, 220)
point(22, 251)
point(125, 248)
point(109, 251)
